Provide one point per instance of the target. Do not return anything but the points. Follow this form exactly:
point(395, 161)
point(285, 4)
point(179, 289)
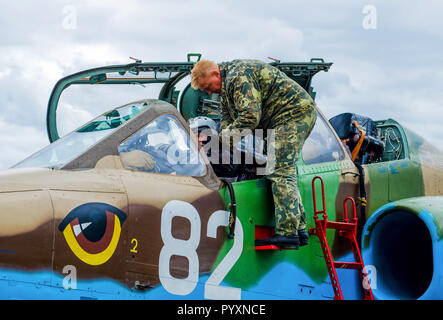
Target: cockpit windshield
point(66, 149)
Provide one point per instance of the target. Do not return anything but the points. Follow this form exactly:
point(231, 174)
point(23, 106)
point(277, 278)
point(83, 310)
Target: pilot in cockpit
point(226, 163)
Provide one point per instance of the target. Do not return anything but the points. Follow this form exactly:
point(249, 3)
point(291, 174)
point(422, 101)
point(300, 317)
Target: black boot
point(303, 237)
point(279, 241)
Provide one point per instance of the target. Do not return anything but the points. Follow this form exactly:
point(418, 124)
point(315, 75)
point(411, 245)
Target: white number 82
point(188, 249)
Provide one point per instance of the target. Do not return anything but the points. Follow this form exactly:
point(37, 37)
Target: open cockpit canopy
point(119, 84)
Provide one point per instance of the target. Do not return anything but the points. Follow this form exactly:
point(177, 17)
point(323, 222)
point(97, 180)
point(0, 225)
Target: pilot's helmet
point(201, 123)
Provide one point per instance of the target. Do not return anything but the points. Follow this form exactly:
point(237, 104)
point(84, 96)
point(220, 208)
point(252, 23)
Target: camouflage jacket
point(255, 94)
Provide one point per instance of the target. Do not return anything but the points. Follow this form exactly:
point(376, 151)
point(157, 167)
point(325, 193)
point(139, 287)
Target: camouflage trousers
point(283, 153)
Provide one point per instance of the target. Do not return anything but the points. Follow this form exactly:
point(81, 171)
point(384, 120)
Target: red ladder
point(347, 230)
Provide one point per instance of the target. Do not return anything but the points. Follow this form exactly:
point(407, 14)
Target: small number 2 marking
point(135, 242)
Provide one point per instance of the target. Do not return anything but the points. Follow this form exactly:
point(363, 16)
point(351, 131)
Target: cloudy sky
point(387, 55)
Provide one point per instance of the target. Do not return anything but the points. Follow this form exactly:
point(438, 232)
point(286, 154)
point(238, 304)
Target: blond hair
point(201, 70)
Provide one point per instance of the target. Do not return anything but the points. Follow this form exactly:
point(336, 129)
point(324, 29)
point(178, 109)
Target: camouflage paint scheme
point(34, 253)
point(257, 95)
point(34, 243)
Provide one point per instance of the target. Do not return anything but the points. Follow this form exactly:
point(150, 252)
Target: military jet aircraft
point(103, 213)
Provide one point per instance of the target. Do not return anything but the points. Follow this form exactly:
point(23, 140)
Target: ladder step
point(348, 265)
point(347, 230)
point(340, 225)
point(273, 247)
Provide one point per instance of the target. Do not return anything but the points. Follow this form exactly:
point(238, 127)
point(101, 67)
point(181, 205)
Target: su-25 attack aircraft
point(91, 216)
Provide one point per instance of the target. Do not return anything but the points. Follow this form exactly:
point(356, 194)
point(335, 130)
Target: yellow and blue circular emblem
point(92, 231)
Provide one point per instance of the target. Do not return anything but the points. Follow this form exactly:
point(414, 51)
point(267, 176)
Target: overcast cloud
point(391, 71)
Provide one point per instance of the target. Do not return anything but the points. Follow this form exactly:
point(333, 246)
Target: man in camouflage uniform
point(254, 95)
